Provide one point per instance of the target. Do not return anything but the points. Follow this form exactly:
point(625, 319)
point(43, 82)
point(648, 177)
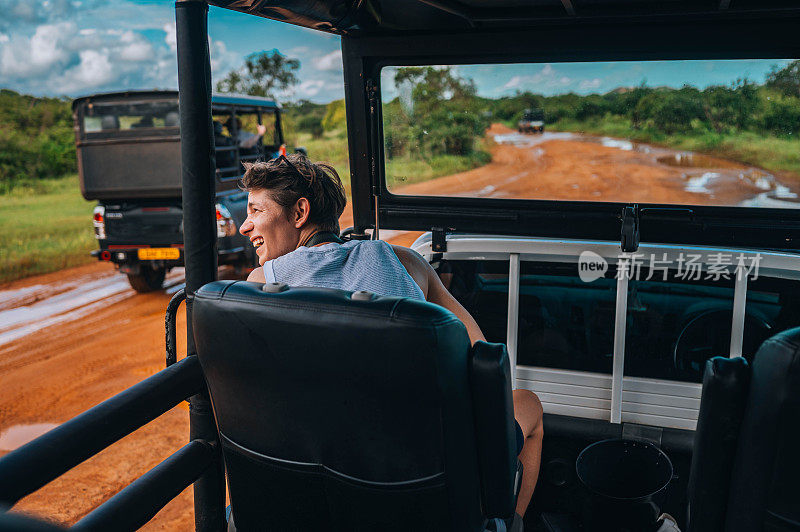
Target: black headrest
point(321, 395)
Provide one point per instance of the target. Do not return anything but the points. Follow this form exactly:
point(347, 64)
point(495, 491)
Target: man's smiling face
point(269, 227)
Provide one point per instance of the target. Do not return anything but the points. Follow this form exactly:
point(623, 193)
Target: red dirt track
point(68, 365)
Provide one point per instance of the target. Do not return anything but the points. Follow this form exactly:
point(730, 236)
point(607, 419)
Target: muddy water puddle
point(18, 435)
point(29, 310)
point(721, 181)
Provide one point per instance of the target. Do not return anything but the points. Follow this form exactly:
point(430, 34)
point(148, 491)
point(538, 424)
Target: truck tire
point(148, 279)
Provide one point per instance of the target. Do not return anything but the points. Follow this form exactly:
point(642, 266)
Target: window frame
point(374, 205)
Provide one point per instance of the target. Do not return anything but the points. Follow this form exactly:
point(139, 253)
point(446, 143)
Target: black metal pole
point(199, 231)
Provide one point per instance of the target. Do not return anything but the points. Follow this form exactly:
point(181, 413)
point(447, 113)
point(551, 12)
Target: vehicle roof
point(371, 17)
point(223, 99)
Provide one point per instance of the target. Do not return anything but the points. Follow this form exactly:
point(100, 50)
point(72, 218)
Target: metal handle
point(171, 326)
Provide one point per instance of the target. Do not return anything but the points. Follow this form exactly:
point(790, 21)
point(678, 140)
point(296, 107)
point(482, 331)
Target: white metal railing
point(614, 397)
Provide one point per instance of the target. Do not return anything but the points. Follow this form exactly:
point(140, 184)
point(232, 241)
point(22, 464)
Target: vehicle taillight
point(99, 222)
point(225, 224)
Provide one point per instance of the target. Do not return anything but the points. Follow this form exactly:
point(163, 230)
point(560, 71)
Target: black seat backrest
point(746, 466)
point(765, 482)
point(343, 414)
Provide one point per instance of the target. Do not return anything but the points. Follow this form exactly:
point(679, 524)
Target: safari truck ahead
point(649, 295)
point(532, 121)
point(129, 160)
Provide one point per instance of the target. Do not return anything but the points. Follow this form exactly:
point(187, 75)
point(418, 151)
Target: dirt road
point(71, 339)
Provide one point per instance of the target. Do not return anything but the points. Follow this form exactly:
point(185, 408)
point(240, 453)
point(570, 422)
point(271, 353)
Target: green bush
point(335, 117)
point(781, 115)
point(310, 124)
point(36, 139)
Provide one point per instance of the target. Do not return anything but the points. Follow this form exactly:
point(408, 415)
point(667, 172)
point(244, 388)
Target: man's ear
point(301, 212)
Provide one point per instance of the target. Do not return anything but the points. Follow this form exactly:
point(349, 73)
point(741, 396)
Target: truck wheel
point(148, 279)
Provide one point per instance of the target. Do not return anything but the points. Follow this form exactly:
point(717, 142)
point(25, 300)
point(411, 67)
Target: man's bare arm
point(435, 292)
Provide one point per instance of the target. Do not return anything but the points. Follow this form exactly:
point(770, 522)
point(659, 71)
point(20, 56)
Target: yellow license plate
point(159, 253)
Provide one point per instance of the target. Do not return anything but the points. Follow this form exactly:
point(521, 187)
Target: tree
point(786, 79)
point(264, 74)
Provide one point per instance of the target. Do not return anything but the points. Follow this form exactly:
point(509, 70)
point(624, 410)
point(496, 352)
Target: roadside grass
point(47, 226)
point(332, 148)
point(771, 153)
point(406, 170)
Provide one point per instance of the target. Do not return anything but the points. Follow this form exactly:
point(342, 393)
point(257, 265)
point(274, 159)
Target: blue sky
point(77, 47)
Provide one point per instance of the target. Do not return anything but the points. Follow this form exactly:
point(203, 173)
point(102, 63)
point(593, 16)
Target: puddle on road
point(527, 141)
point(711, 175)
point(696, 160)
point(18, 435)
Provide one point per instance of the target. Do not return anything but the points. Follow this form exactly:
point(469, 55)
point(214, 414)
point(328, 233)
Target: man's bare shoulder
point(409, 257)
point(415, 265)
point(257, 276)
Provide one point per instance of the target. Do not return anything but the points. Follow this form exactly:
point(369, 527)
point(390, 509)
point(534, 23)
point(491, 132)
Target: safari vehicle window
point(145, 118)
point(699, 132)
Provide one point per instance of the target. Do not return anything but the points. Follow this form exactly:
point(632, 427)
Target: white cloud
point(309, 88)
point(171, 38)
point(546, 78)
point(93, 70)
point(63, 59)
point(37, 55)
point(588, 84)
point(136, 48)
point(3, 37)
point(222, 60)
point(298, 51)
point(331, 61)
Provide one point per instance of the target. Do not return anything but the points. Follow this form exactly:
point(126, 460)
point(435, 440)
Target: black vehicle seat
point(340, 412)
point(745, 474)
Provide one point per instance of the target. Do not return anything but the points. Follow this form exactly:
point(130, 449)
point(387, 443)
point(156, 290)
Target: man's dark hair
point(292, 177)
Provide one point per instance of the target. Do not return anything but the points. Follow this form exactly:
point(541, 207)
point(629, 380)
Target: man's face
point(269, 227)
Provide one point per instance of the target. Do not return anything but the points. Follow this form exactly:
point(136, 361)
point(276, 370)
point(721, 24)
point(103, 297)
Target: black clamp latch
point(438, 240)
point(629, 236)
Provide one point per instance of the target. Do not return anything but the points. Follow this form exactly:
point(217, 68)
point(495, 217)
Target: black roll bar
point(135, 505)
point(49, 456)
point(199, 230)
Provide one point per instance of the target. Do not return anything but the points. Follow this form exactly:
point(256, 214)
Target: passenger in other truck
point(244, 139)
point(293, 222)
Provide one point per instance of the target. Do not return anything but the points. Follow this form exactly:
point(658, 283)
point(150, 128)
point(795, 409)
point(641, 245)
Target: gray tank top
point(370, 265)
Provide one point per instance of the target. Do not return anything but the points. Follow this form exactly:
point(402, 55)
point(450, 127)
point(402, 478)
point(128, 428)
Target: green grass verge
point(771, 153)
point(47, 226)
point(332, 148)
point(407, 170)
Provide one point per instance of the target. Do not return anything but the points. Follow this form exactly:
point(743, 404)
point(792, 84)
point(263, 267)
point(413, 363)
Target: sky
point(78, 47)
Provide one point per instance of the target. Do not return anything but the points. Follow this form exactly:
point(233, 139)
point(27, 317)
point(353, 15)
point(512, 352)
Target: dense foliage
point(438, 114)
point(36, 138)
point(769, 109)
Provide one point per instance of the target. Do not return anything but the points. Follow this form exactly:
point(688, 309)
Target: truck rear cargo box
point(130, 170)
point(128, 145)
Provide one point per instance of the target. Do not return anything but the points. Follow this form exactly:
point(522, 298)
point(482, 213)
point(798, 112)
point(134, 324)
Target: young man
point(292, 220)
